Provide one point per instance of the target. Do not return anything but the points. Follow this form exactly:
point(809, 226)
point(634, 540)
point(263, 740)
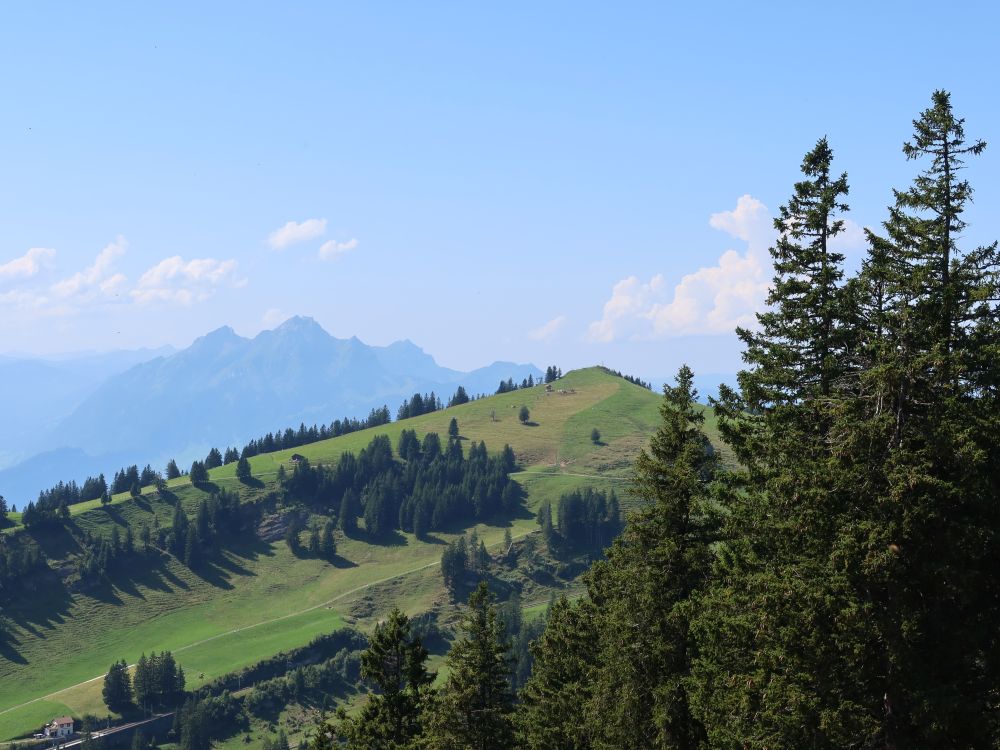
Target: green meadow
point(255, 598)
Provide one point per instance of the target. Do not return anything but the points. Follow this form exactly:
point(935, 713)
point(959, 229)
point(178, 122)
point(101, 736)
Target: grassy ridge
point(61, 639)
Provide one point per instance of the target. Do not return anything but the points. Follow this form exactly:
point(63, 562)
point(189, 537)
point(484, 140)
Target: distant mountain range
point(222, 390)
point(38, 392)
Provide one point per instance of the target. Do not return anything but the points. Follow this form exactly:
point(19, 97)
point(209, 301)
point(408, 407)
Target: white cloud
point(175, 280)
point(548, 330)
point(749, 221)
point(713, 299)
point(99, 276)
point(294, 232)
point(332, 249)
point(28, 264)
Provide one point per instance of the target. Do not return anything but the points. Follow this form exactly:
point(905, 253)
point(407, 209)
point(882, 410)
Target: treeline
point(417, 405)
point(629, 378)
point(585, 519)
point(508, 385)
point(290, 438)
point(839, 588)
point(433, 486)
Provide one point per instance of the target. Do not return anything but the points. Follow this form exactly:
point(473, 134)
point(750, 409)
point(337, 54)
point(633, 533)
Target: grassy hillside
point(259, 598)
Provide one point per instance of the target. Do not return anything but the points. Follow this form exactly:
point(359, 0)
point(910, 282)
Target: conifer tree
point(395, 665)
point(173, 471)
point(328, 546)
point(117, 691)
point(921, 441)
point(243, 472)
point(643, 591)
point(474, 707)
point(349, 505)
point(552, 714)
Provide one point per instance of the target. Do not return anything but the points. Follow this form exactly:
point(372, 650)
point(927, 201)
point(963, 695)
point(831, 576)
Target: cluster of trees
point(462, 559)
point(313, 683)
point(100, 554)
point(460, 397)
point(417, 405)
point(585, 519)
point(18, 557)
point(200, 720)
point(839, 589)
point(191, 540)
point(552, 374)
point(321, 541)
point(127, 479)
point(473, 708)
point(276, 441)
point(508, 385)
point(51, 501)
point(34, 516)
point(433, 487)
point(158, 683)
point(634, 380)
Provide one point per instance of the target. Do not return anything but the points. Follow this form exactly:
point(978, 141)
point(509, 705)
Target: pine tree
point(395, 665)
point(921, 441)
point(348, 517)
point(117, 691)
point(643, 592)
point(243, 472)
point(552, 714)
point(315, 547)
point(328, 546)
point(474, 707)
point(173, 472)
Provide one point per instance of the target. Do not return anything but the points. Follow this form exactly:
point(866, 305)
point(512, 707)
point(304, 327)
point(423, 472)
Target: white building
point(60, 727)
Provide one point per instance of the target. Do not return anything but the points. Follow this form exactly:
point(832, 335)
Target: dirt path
point(234, 631)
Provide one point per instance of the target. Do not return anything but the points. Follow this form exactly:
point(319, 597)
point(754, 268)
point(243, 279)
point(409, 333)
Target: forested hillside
point(224, 567)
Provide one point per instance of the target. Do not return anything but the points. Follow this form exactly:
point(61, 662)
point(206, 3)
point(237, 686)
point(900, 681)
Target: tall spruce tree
point(920, 439)
point(643, 591)
point(552, 714)
point(395, 665)
point(117, 690)
point(474, 707)
point(774, 634)
point(799, 350)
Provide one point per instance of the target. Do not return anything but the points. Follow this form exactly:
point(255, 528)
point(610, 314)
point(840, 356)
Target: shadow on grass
point(8, 649)
point(431, 539)
point(252, 482)
point(115, 514)
point(42, 608)
point(390, 539)
point(57, 541)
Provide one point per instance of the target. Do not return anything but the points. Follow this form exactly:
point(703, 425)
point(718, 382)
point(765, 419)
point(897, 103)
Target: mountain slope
point(225, 390)
point(62, 637)
point(38, 392)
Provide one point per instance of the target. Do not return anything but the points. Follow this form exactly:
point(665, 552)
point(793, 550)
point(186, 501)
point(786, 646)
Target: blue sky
point(570, 183)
